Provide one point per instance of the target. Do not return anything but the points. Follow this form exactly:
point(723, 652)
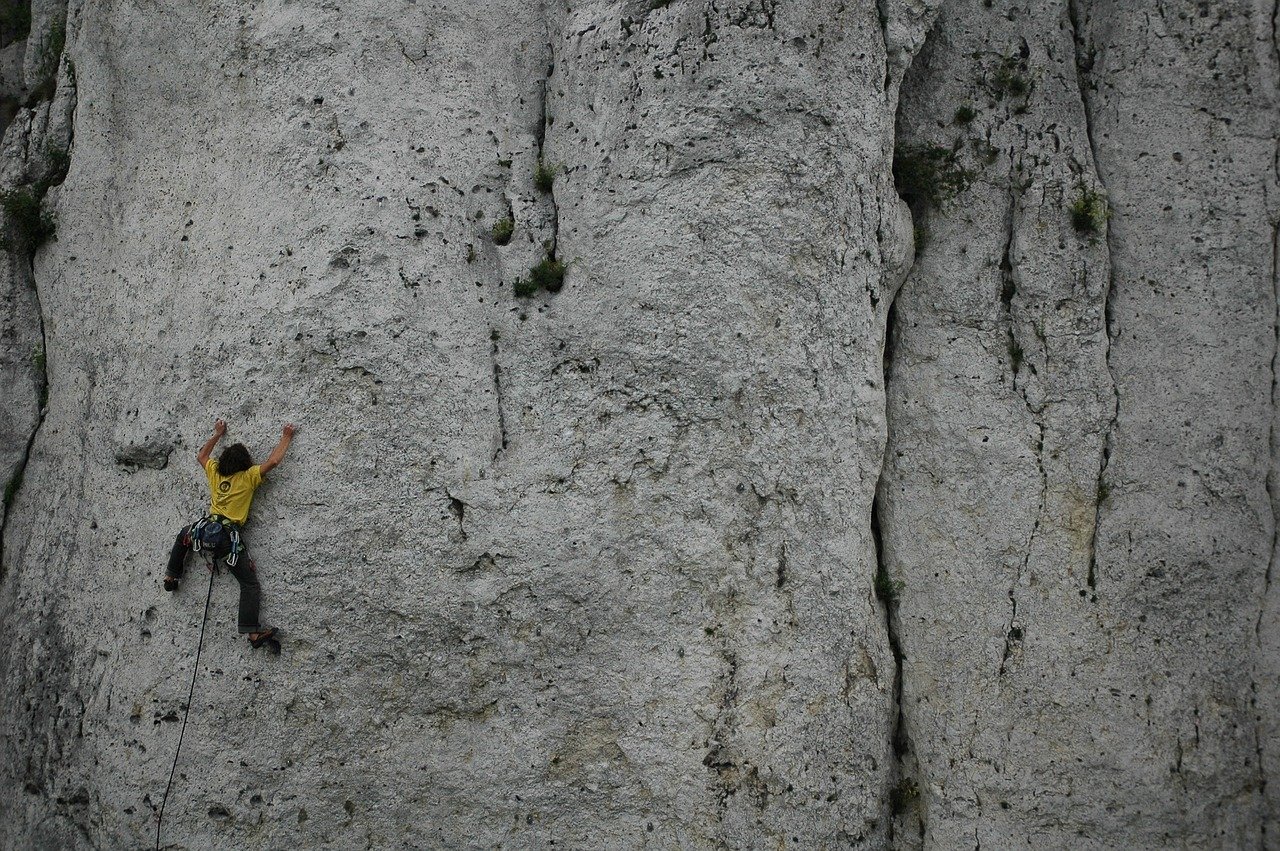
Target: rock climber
point(233, 478)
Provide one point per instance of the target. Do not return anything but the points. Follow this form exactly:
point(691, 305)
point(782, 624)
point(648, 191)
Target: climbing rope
point(187, 711)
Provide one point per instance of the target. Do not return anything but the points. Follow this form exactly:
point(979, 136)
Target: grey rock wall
point(1000, 402)
point(685, 554)
point(1076, 495)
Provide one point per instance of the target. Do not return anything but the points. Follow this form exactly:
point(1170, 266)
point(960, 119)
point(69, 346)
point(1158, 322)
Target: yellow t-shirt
point(230, 496)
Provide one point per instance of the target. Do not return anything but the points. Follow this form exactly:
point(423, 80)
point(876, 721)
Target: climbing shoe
point(171, 583)
point(266, 636)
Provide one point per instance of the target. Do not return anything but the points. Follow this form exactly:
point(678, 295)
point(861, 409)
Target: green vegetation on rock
point(502, 230)
point(544, 176)
point(929, 176)
point(547, 275)
point(1089, 211)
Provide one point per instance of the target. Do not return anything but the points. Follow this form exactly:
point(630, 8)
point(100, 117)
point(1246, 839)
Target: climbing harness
point(186, 711)
point(215, 533)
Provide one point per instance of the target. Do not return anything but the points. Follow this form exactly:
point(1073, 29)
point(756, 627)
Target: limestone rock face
point(808, 509)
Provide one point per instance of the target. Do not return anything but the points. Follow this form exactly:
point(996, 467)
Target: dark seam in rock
point(1272, 474)
point(718, 757)
point(543, 127)
point(883, 17)
point(782, 566)
point(48, 177)
point(42, 388)
point(497, 390)
point(1008, 287)
point(1274, 498)
point(1008, 290)
point(1084, 66)
point(899, 740)
point(1275, 33)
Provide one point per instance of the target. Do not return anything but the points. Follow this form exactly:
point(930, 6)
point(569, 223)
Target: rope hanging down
point(185, 712)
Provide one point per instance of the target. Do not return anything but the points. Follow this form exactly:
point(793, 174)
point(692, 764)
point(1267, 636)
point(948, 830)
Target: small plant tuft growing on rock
point(547, 275)
point(964, 115)
point(1010, 81)
point(52, 44)
point(886, 589)
point(56, 42)
point(929, 176)
point(502, 230)
point(903, 795)
point(1089, 211)
point(29, 226)
point(544, 176)
point(59, 163)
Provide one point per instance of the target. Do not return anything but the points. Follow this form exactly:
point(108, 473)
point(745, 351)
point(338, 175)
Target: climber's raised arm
point(277, 454)
point(219, 429)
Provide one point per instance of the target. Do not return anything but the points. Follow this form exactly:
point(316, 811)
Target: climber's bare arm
point(277, 454)
point(219, 429)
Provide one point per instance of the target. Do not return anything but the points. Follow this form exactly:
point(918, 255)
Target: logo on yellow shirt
point(224, 485)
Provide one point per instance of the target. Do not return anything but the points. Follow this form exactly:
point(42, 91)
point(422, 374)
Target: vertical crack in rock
point(782, 566)
point(543, 126)
point(45, 156)
point(42, 391)
point(1084, 65)
point(902, 774)
point(886, 591)
point(1273, 496)
point(1008, 290)
point(883, 14)
point(731, 776)
point(1262, 640)
point(1275, 34)
point(497, 390)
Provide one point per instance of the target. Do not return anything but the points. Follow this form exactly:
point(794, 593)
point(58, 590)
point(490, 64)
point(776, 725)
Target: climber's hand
point(219, 429)
point(277, 454)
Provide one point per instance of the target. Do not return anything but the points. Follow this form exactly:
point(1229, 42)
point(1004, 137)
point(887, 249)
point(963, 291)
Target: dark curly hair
point(234, 459)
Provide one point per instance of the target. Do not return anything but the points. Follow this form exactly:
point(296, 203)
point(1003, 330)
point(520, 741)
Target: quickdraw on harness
point(217, 534)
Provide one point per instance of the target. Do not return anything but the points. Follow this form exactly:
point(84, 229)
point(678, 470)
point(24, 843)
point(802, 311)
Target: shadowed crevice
point(903, 786)
point(26, 225)
point(1077, 13)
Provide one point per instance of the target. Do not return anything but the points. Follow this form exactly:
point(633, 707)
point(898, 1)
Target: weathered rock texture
point(682, 555)
point(1076, 490)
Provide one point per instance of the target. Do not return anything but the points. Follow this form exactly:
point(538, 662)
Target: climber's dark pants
point(244, 570)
